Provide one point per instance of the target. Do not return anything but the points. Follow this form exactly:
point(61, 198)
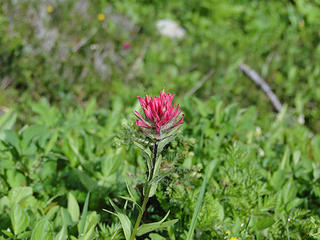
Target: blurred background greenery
point(70, 51)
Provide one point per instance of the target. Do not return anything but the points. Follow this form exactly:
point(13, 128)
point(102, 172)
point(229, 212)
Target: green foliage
point(263, 183)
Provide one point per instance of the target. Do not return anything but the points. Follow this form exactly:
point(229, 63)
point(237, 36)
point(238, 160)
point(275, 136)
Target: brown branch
point(261, 83)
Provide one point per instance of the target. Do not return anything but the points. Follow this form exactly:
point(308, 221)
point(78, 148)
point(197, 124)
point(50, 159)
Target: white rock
point(170, 29)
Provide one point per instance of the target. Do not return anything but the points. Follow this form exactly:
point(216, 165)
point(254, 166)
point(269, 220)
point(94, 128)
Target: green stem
point(144, 204)
point(146, 196)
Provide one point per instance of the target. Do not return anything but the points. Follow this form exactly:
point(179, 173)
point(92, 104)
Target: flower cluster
point(126, 46)
point(101, 17)
point(160, 115)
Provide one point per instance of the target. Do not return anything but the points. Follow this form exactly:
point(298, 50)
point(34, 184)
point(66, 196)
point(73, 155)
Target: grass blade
point(200, 199)
point(84, 214)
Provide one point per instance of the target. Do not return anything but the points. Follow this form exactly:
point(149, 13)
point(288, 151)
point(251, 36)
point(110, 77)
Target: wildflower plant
point(158, 124)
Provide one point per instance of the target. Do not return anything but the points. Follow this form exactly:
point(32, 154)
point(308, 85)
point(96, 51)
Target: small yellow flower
point(233, 238)
point(49, 8)
point(100, 16)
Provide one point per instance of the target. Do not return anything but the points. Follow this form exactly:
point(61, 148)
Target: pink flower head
point(160, 115)
point(126, 46)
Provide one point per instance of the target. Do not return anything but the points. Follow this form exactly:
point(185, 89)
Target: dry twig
point(261, 83)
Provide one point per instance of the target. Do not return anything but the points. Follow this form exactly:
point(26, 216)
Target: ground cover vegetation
point(70, 73)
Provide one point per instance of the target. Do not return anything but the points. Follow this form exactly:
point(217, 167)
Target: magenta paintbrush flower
point(160, 115)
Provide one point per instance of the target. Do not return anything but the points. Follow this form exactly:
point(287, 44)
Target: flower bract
point(160, 115)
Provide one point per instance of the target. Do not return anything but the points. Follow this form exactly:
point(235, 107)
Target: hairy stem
point(146, 196)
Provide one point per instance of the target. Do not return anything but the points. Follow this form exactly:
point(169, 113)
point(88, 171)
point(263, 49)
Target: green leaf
point(124, 220)
point(91, 221)
point(147, 154)
point(277, 180)
point(18, 194)
point(289, 191)
point(110, 164)
point(15, 178)
point(73, 143)
point(217, 209)
point(155, 236)
point(263, 221)
point(48, 115)
point(167, 139)
point(91, 107)
point(7, 121)
point(9, 234)
point(66, 217)
point(42, 230)
point(144, 149)
point(51, 142)
point(32, 132)
point(294, 203)
point(63, 234)
point(219, 113)
point(73, 207)
point(51, 213)
point(19, 219)
point(24, 235)
point(12, 138)
point(285, 166)
point(145, 228)
point(132, 198)
point(89, 235)
point(84, 214)
point(87, 181)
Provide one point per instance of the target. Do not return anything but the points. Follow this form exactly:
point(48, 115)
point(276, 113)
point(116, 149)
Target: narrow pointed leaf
point(84, 214)
point(145, 228)
point(66, 217)
point(88, 235)
point(209, 171)
point(144, 149)
point(63, 234)
point(124, 220)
